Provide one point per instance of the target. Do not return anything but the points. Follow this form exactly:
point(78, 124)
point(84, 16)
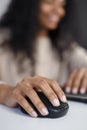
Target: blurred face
point(51, 12)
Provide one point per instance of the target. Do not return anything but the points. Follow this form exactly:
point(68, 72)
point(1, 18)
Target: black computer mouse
point(54, 112)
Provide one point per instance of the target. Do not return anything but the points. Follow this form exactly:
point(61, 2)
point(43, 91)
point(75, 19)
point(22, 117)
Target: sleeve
point(77, 58)
point(2, 82)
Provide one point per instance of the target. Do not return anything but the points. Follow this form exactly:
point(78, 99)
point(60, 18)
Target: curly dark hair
point(22, 19)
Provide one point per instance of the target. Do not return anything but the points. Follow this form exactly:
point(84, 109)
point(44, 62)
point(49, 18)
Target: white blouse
point(48, 64)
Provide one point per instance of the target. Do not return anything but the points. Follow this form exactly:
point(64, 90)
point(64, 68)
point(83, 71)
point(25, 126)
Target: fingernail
point(55, 102)
point(74, 91)
point(82, 91)
point(44, 111)
point(67, 89)
point(34, 114)
point(64, 98)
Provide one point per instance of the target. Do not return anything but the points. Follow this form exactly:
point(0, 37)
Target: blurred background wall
point(3, 6)
point(75, 21)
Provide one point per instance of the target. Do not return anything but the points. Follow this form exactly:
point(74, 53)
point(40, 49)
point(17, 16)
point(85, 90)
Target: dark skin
point(51, 13)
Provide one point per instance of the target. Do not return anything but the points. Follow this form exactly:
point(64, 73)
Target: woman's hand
point(77, 82)
point(28, 87)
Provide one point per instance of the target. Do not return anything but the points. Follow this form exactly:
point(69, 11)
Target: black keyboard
point(77, 97)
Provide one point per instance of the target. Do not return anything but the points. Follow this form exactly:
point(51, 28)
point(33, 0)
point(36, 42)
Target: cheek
point(62, 13)
point(45, 9)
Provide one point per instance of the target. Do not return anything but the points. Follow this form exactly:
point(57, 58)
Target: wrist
point(4, 90)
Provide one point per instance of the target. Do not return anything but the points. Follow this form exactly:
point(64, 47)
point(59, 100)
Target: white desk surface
point(14, 119)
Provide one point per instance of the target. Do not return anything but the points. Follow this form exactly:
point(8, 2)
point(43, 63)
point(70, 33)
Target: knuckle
point(85, 79)
point(60, 91)
point(27, 107)
point(16, 95)
point(15, 92)
point(84, 83)
point(51, 95)
point(53, 82)
point(76, 82)
point(83, 69)
point(20, 99)
point(26, 78)
point(30, 91)
point(36, 77)
point(19, 85)
point(78, 79)
point(27, 85)
point(42, 82)
point(39, 104)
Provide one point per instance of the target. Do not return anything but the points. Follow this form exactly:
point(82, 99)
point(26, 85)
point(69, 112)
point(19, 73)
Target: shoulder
point(78, 53)
point(78, 50)
point(77, 56)
point(75, 51)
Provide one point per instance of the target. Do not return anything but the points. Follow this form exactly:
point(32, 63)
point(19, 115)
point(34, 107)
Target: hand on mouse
point(77, 82)
point(28, 87)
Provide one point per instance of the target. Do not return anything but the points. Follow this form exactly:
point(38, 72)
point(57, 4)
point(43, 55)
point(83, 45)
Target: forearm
point(4, 88)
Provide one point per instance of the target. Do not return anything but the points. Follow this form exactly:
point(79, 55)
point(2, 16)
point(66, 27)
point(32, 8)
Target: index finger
point(57, 89)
